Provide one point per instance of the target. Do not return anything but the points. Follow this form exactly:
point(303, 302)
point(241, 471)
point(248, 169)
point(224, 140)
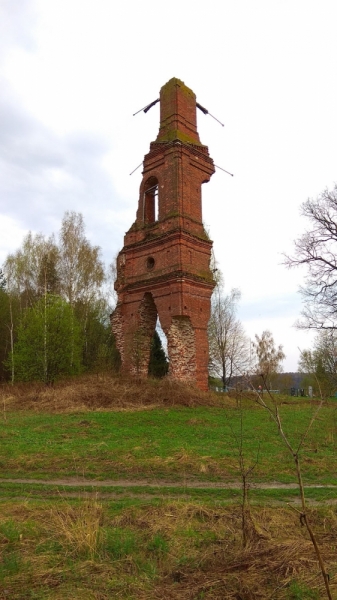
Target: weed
point(11, 563)
point(147, 568)
point(50, 546)
point(78, 526)
point(9, 531)
point(299, 591)
point(119, 543)
point(158, 545)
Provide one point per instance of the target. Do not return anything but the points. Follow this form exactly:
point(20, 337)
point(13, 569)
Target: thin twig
point(295, 454)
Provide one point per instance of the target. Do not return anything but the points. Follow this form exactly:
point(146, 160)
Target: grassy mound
point(105, 393)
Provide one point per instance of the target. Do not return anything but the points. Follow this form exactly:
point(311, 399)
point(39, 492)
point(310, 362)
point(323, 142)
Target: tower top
point(178, 118)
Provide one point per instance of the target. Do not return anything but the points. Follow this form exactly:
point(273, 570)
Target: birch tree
point(228, 344)
point(48, 342)
point(268, 356)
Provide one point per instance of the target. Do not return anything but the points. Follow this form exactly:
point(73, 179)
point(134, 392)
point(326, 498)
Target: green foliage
point(4, 331)
point(158, 545)
point(158, 365)
point(299, 591)
point(48, 344)
point(68, 267)
point(11, 564)
point(10, 531)
point(320, 364)
point(119, 543)
point(100, 353)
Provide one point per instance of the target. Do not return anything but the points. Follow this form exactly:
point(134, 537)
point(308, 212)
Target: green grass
point(174, 444)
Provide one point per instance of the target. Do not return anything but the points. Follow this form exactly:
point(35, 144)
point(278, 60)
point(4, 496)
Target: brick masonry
point(164, 266)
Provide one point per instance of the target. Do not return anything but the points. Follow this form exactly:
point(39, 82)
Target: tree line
point(54, 307)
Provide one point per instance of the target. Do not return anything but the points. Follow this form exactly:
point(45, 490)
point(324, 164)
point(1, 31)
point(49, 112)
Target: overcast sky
point(72, 73)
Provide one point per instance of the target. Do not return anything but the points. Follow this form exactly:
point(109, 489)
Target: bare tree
point(228, 344)
point(32, 269)
point(320, 363)
point(317, 250)
point(269, 357)
point(81, 267)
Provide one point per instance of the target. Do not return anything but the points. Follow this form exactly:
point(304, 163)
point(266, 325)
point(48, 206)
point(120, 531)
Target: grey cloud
point(42, 175)
point(287, 305)
point(17, 20)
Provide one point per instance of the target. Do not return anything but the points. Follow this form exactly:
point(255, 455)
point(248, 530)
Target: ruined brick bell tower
point(164, 268)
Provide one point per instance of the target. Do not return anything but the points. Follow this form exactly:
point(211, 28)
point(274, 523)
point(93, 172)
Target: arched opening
point(150, 202)
point(158, 365)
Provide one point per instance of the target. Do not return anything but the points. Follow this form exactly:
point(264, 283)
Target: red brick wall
point(164, 267)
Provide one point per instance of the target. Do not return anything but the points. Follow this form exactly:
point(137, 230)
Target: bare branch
point(317, 250)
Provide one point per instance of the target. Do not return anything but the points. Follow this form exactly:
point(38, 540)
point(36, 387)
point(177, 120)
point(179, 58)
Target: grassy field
point(174, 444)
point(122, 495)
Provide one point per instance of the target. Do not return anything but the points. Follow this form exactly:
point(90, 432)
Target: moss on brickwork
point(187, 102)
point(175, 134)
point(166, 89)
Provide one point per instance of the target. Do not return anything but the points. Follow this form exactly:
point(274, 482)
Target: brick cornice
point(176, 277)
point(172, 235)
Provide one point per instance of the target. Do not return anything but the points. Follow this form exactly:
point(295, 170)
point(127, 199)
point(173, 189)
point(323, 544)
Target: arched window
point(150, 202)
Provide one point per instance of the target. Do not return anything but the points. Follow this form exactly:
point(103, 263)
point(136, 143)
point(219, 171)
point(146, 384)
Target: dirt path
point(188, 484)
point(131, 489)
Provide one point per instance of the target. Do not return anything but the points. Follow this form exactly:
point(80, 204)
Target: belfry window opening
point(150, 202)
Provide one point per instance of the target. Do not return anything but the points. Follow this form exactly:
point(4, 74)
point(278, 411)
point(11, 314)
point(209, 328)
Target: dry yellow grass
point(79, 527)
point(204, 555)
point(91, 392)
